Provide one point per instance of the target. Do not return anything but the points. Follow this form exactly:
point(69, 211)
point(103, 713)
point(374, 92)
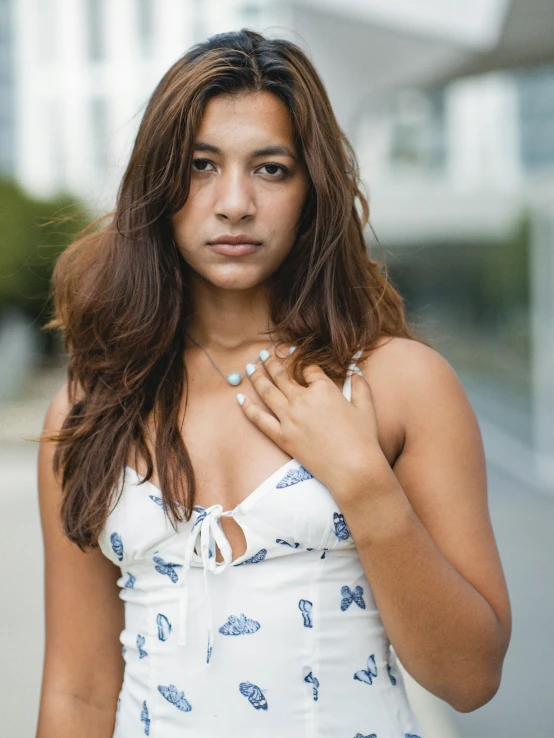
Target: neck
point(230, 319)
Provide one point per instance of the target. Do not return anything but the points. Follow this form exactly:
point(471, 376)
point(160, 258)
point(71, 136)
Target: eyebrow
point(278, 150)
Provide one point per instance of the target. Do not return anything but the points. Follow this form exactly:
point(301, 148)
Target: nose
point(235, 196)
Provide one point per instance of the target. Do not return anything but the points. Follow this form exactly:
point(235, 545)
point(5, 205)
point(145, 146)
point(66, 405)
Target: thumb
point(360, 394)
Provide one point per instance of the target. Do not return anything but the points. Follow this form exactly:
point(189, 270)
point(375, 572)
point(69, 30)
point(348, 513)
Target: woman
point(339, 497)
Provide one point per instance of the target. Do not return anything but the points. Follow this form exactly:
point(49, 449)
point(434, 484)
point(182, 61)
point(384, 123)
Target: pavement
point(523, 521)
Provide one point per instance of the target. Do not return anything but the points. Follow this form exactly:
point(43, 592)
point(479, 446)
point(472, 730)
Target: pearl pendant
point(234, 378)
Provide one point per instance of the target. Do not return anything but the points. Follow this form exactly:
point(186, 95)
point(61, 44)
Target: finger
point(361, 394)
point(272, 396)
point(262, 420)
point(275, 367)
point(313, 372)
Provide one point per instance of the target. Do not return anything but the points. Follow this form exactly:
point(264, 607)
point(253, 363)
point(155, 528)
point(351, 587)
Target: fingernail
point(292, 349)
point(250, 368)
point(240, 398)
point(264, 354)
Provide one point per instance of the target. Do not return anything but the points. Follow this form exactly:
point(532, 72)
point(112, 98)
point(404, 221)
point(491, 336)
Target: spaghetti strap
point(352, 367)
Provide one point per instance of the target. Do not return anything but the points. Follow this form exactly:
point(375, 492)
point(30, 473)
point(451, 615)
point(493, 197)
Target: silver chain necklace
point(233, 378)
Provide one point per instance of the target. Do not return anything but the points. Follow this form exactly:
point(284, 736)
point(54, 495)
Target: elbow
point(466, 692)
point(479, 689)
point(475, 697)
point(483, 679)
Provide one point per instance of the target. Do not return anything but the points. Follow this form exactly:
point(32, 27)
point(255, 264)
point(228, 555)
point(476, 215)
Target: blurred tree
point(505, 274)
point(33, 233)
point(472, 301)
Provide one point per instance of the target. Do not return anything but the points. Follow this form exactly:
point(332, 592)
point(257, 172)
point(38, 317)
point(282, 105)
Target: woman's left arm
point(425, 540)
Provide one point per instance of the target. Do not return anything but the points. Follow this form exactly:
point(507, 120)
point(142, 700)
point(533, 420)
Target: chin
point(234, 281)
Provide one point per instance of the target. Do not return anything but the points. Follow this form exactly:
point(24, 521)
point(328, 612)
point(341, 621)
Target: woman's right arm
point(83, 665)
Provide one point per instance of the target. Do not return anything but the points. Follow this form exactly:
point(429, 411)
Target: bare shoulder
point(418, 373)
point(407, 358)
point(441, 434)
point(60, 405)
point(58, 409)
point(419, 395)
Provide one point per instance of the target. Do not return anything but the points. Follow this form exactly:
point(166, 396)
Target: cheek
point(184, 226)
point(283, 214)
point(193, 210)
point(295, 204)
point(183, 216)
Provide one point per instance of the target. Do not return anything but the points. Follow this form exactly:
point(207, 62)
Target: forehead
point(246, 120)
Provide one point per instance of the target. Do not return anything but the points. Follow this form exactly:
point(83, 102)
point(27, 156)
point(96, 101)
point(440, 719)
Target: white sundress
point(283, 642)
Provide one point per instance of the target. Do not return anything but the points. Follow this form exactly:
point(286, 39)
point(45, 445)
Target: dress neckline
point(250, 498)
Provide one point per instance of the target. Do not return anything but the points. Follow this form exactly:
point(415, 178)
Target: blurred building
point(84, 70)
point(7, 90)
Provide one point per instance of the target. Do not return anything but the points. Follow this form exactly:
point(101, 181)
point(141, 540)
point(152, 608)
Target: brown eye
point(283, 170)
point(201, 161)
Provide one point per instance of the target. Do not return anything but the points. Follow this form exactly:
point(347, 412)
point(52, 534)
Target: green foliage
point(472, 301)
point(483, 283)
point(33, 233)
point(504, 272)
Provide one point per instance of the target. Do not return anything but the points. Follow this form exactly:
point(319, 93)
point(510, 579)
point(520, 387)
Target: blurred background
point(450, 108)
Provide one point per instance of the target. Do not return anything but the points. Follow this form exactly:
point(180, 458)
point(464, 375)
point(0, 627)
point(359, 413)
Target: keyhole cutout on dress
point(235, 536)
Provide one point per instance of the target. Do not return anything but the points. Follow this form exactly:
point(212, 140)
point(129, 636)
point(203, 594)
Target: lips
point(234, 249)
point(240, 238)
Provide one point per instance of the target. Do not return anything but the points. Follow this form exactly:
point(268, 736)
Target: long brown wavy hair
point(120, 293)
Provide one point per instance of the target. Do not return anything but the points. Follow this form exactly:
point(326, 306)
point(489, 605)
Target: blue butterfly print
point(322, 555)
point(341, 530)
point(391, 677)
point(254, 694)
point(359, 735)
point(118, 705)
point(311, 679)
point(286, 543)
point(158, 500)
point(117, 545)
point(145, 719)
point(172, 694)
point(369, 674)
point(239, 626)
point(260, 556)
point(123, 650)
point(305, 607)
point(167, 568)
point(164, 627)
point(131, 581)
point(410, 735)
point(201, 515)
point(293, 476)
point(208, 653)
point(349, 596)
point(140, 643)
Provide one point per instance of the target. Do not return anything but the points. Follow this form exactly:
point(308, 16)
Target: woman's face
point(235, 189)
